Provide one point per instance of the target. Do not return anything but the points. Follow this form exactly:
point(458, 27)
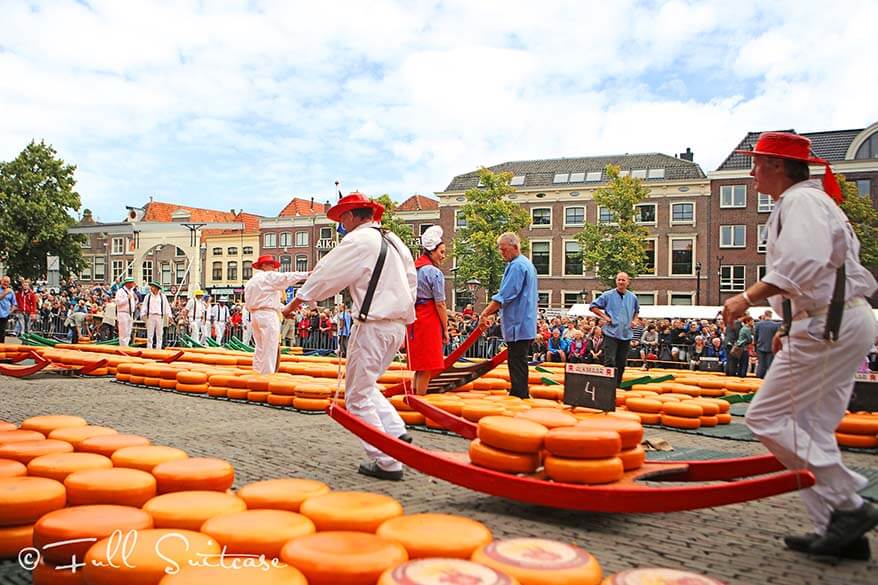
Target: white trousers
point(195, 329)
point(154, 331)
point(206, 329)
point(371, 348)
point(248, 332)
point(801, 401)
point(124, 323)
point(266, 333)
point(219, 330)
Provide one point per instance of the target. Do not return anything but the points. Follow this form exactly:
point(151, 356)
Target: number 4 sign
point(591, 386)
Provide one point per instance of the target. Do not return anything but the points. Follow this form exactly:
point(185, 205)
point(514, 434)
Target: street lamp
point(473, 285)
point(698, 283)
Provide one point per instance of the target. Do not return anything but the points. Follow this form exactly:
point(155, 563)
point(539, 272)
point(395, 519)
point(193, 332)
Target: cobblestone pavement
point(739, 544)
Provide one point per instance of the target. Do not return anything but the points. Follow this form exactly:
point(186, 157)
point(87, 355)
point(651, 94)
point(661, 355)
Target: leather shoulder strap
point(373, 281)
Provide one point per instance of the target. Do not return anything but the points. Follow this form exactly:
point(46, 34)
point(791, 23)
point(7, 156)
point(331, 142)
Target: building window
point(540, 255)
point(594, 176)
point(645, 298)
point(286, 263)
point(764, 203)
point(761, 237)
point(682, 252)
point(325, 233)
point(181, 272)
point(655, 174)
point(269, 240)
point(541, 217)
point(86, 271)
point(543, 299)
point(864, 187)
point(301, 263)
point(146, 267)
point(645, 213)
point(100, 272)
point(682, 213)
point(118, 269)
point(574, 216)
point(732, 236)
point(760, 272)
point(166, 274)
point(571, 299)
point(681, 298)
point(217, 271)
point(733, 196)
point(517, 180)
point(869, 148)
point(649, 256)
point(561, 178)
point(604, 215)
point(572, 258)
point(232, 251)
point(424, 227)
point(217, 251)
point(301, 239)
point(459, 220)
point(638, 173)
point(284, 240)
point(247, 270)
point(118, 246)
point(232, 271)
point(248, 250)
point(732, 278)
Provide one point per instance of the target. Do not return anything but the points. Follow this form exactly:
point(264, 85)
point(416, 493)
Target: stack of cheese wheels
point(238, 389)
point(168, 377)
point(257, 532)
point(578, 455)
point(194, 473)
point(258, 388)
point(682, 415)
point(408, 415)
point(312, 396)
point(192, 382)
point(218, 385)
point(350, 511)
point(630, 433)
point(23, 501)
point(648, 408)
point(508, 444)
point(856, 430)
point(436, 535)
point(281, 391)
point(119, 486)
point(536, 561)
point(189, 510)
point(146, 457)
point(352, 558)
point(425, 572)
point(252, 574)
point(654, 576)
point(281, 494)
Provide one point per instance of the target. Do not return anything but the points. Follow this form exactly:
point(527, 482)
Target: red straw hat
point(266, 259)
point(794, 147)
point(354, 201)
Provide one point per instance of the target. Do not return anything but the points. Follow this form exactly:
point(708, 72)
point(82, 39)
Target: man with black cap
point(814, 278)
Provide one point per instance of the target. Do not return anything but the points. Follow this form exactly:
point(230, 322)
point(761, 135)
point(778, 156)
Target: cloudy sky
point(245, 104)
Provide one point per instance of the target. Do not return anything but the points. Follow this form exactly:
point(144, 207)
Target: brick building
point(559, 195)
point(735, 251)
point(229, 256)
point(300, 235)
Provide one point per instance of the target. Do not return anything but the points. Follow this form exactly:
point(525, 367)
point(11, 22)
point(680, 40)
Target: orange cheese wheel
point(623, 414)
point(217, 392)
point(257, 396)
point(108, 444)
point(24, 499)
point(281, 494)
point(512, 434)
point(454, 407)
point(682, 409)
point(167, 384)
point(136, 380)
point(221, 380)
point(12, 468)
point(18, 436)
point(861, 441)
point(257, 532)
point(48, 423)
point(399, 403)
point(59, 465)
point(24, 451)
point(238, 383)
point(633, 458)
point(148, 556)
point(723, 405)
point(680, 422)
point(118, 486)
point(548, 417)
point(537, 561)
point(426, 572)
point(194, 473)
point(147, 457)
point(237, 572)
point(651, 576)
point(476, 411)
point(15, 538)
point(281, 387)
point(589, 471)
point(7, 426)
point(581, 443)
point(646, 405)
point(189, 510)
point(650, 419)
point(709, 421)
point(280, 400)
point(310, 403)
point(436, 535)
point(257, 383)
point(630, 432)
point(191, 378)
point(350, 511)
point(723, 418)
point(499, 460)
point(708, 408)
point(192, 388)
point(338, 557)
point(147, 381)
point(852, 424)
point(76, 435)
point(412, 418)
point(82, 522)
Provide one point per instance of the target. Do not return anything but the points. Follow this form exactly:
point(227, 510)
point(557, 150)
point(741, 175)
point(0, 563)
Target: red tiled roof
point(158, 211)
point(299, 207)
point(418, 203)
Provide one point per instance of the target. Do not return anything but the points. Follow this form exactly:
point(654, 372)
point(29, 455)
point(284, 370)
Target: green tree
point(616, 246)
point(36, 202)
point(394, 223)
point(488, 213)
point(864, 219)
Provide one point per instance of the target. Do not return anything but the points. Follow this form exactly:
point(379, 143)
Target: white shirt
point(815, 238)
point(219, 313)
point(155, 305)
point(263, 289)
point(350, 265)
point(196, 309)
point(245, 315)
point(125, 301)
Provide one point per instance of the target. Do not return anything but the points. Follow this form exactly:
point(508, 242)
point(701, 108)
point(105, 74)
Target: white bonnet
point(431, 238)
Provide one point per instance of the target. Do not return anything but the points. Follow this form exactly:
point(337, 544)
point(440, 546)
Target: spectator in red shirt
point(26, 299)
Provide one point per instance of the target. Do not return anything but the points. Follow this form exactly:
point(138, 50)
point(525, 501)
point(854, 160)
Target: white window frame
point(561, 178)
point(88, 272)
point(638, 173)
point(325, 233)
point(548, 302)
point(730, 229)
point(584, 215)
point(229, 265)
point(298, 257)
point(536, 226)
point(301, 240)
point(658, 173)
point(654, 294)
point(549, 242)
point(729, 283)
point(179, 272)
point(117, 269)
point(594, 176)
point(564, 262)
point(655, 213)
point(731, 189)
point(683, 222)
point(103, 276)
point(167, 281)
point(761, 238)
point(604, 222)
point(654, 256)
point(122, 246)
point(144, 269)
point(232, 251)
point(577, 177)
point(459, 220)
point(269, 240)
point(763, 206)
point(284, 240)
point(517, 180)
point(578, 294)
point(671, 240)
point(673, 293)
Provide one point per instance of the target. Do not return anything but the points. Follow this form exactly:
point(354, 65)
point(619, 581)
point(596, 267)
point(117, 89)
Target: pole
point(698, 283)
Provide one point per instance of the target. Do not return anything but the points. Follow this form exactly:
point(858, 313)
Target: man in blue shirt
point(7, 305)
point(558, 347)
point(518, 299)
point(619, 308)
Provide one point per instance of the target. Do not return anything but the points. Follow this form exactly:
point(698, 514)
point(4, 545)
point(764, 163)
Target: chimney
point(688, 155)
point(312, 203)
